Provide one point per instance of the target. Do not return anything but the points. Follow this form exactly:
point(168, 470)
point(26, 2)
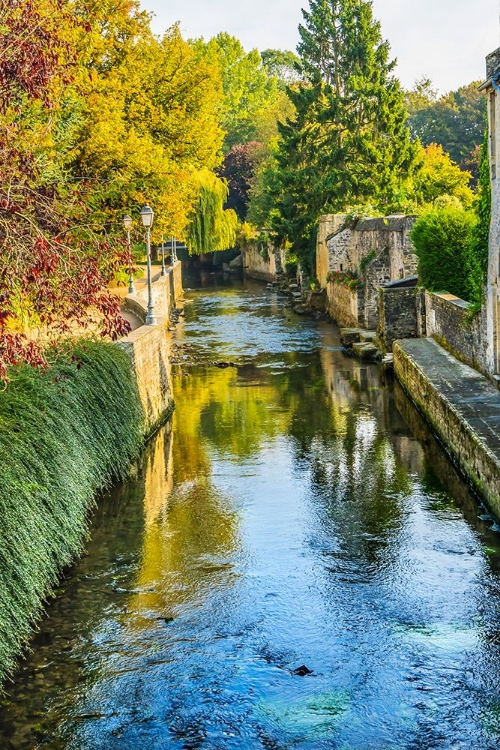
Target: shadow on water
point(297, 565)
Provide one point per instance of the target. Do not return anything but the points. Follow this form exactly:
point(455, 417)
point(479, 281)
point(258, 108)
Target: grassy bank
point(65, 433)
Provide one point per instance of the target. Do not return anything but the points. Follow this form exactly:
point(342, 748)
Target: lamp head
point(127, 222)
point(147, 216)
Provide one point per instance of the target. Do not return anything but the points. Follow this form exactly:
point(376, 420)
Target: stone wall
point(148, 347)
point(329, 224)
point(343, 305)
point(148, 350)
point(166, 291)
point(263, 261)
point(380, 250)
point(449, 322)
point(399, 315)
point(446, 393)
point(350, 245)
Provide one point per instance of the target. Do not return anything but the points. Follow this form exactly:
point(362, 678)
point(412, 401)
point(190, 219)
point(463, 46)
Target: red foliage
point(51, 269)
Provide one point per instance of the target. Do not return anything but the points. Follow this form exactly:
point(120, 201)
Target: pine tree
point(348, 142)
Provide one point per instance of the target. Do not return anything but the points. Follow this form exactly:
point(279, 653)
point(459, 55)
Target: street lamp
point(174, 251)
point(147, 217)
point(163, 269)
point(127, 223)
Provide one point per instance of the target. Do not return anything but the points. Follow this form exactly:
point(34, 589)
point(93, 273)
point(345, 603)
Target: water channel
point(299, 514)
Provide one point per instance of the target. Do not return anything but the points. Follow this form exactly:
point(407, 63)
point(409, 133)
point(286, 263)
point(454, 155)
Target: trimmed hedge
point(442, 237)
point(65, 432)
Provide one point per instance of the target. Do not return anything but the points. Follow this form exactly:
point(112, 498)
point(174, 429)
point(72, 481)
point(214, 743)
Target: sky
point(444, 40)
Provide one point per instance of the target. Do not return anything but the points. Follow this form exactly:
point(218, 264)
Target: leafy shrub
point(442, 240)
point(65, 432)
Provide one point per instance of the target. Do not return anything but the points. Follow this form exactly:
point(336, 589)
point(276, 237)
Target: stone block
point(349, 336)
point(366, 352)
point(368, 336)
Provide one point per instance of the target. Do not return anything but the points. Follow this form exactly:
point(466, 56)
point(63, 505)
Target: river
point(295, 565)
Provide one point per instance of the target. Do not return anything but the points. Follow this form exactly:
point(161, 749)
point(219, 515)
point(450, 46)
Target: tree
point(438, 176)
point(51, 274)
point(348, 141)
point(282, 65)
point(238, 170)
point(212, 228)
point(442, 238)
point(456, 120)
point(247, 87)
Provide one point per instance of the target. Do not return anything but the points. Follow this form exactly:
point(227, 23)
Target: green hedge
point(65, 433)
point(442, 237)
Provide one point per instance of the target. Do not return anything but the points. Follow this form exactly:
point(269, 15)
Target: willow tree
point(348, 142)
point(212, 228)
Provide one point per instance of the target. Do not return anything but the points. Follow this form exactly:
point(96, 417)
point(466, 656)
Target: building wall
point(329, 224)
point(493, 286)
point(380, 250)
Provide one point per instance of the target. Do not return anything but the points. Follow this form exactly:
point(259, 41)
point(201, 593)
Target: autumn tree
point(50, 274)
point(455, 120)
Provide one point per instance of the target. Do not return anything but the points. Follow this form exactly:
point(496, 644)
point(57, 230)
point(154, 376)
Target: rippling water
point(299, 515)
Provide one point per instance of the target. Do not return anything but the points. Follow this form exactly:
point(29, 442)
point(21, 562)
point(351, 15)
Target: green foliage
point(65, 433)
point(455, 121)
point(282, 65)
point(212, 228)
point(481, 232)
point(247, 87)
point(438, 175)
point(347, 279)
point(442, 239)
point(348, 141)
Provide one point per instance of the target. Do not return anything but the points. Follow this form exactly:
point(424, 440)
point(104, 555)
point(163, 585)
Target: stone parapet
point(343, 305)
point(461, 405)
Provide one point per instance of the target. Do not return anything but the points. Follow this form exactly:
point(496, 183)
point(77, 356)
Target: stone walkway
point(462, 406)
point(469, 392)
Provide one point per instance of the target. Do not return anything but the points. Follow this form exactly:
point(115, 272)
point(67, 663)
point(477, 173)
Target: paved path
point(462, 406)
point(470, 393)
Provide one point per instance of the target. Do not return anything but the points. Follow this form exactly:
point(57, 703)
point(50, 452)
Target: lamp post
point(174, 251)
point(147, 216)
point(163, 269)
point(127, 223)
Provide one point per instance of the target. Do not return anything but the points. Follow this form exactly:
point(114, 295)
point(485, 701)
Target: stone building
point(492, 88)
point(380, 250)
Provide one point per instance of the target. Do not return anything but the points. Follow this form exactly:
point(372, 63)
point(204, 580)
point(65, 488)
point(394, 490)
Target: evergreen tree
point(348, 142)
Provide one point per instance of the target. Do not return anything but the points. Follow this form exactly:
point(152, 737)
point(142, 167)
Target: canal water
point(295, 565)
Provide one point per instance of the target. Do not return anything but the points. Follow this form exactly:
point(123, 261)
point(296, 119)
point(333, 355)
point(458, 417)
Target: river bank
point(291, 519)
point(66, 433)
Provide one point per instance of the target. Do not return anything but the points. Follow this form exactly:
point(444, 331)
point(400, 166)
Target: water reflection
point(299, 513)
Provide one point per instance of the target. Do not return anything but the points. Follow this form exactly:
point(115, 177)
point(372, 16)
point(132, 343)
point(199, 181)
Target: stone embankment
point(461, 405)
point(148, 346)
